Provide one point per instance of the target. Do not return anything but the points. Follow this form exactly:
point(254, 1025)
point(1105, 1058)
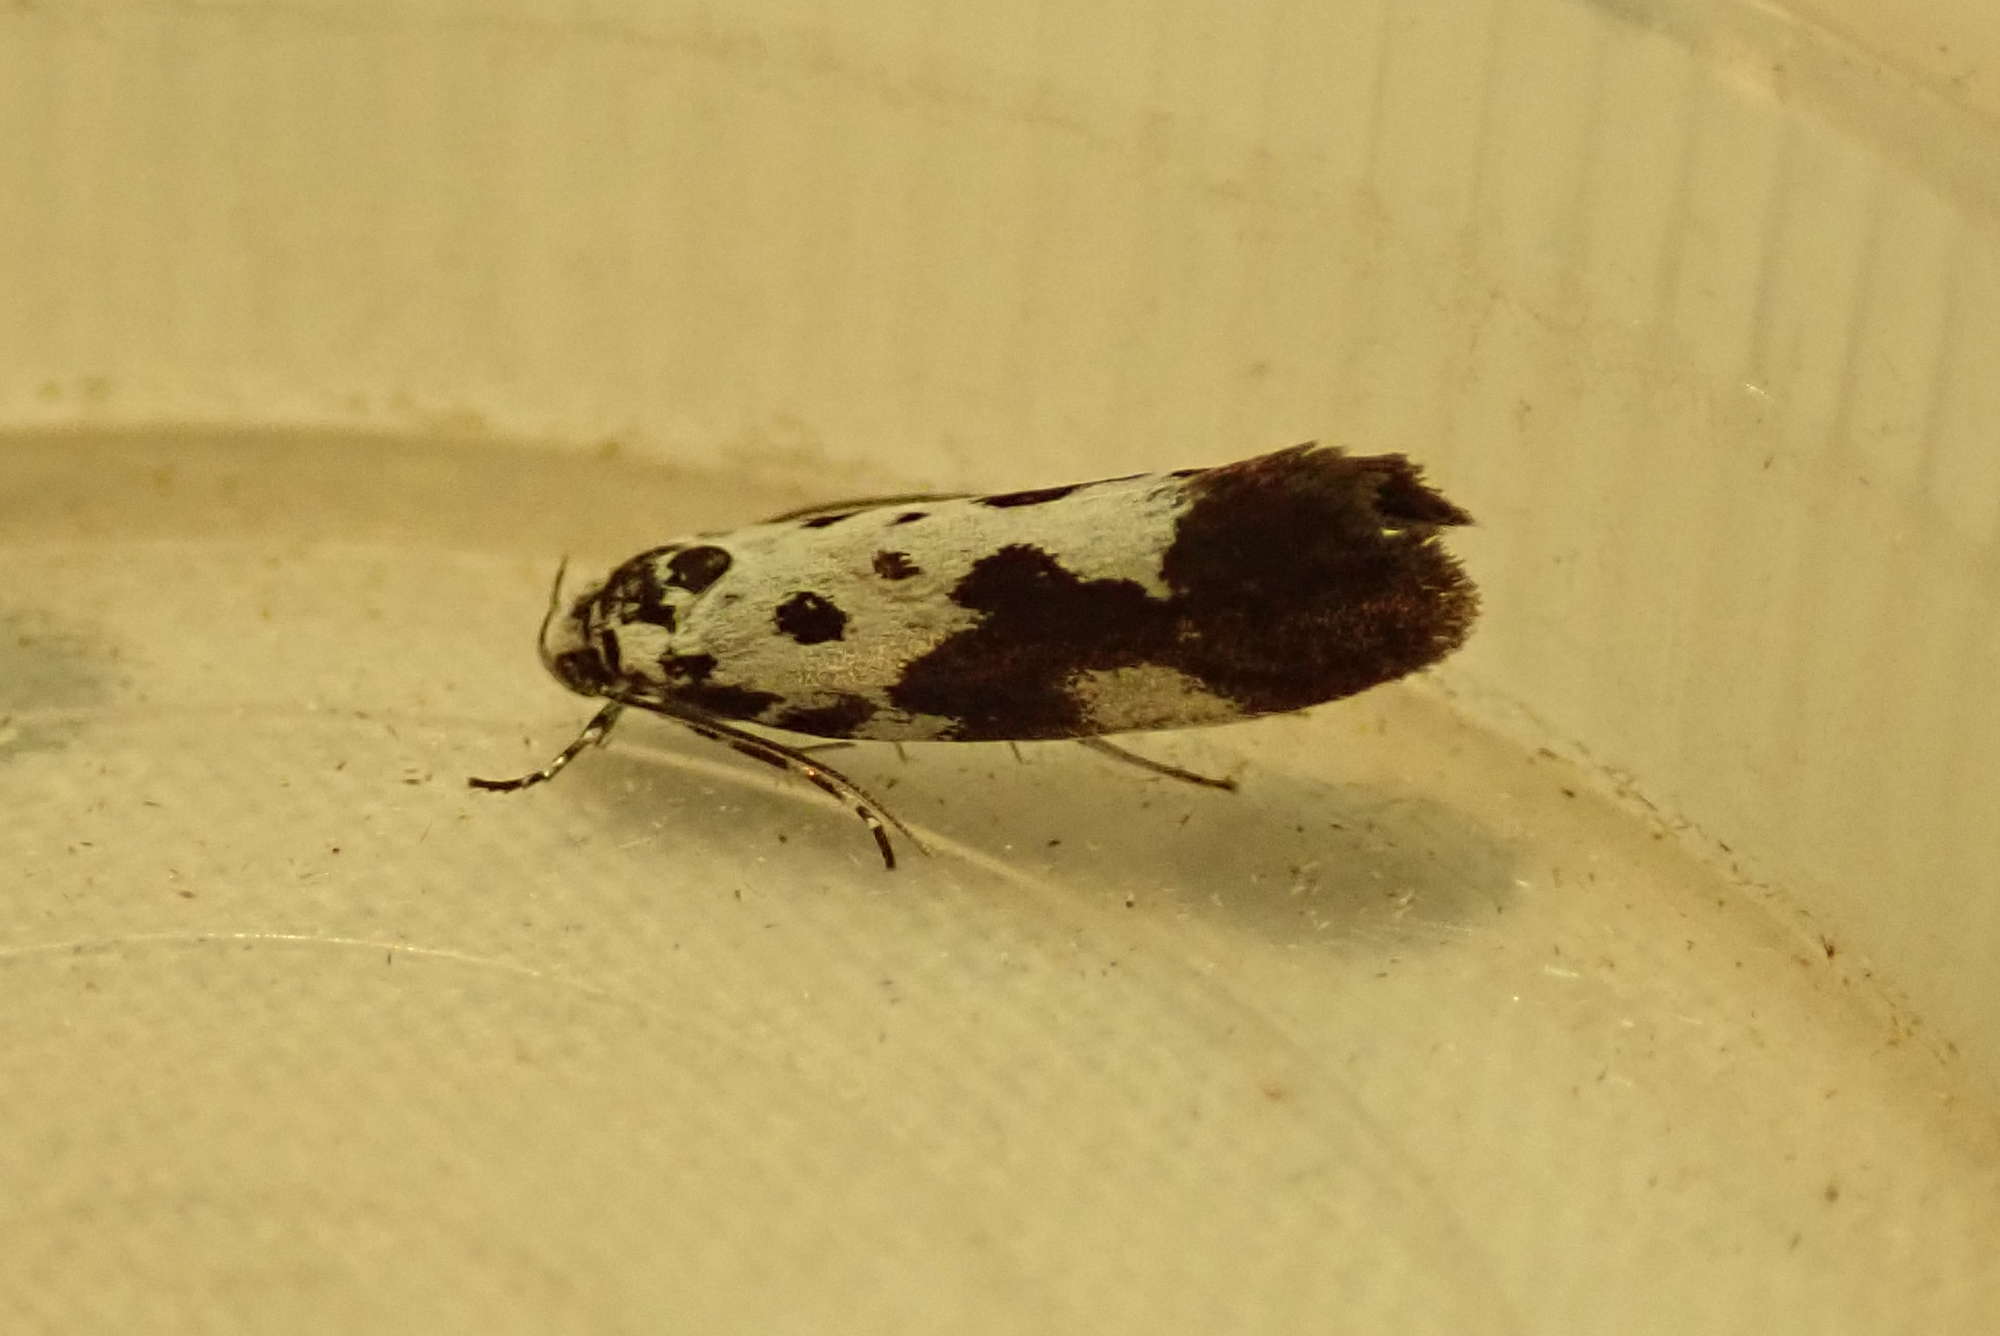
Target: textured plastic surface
point(1691, 305)
point(302, 1031)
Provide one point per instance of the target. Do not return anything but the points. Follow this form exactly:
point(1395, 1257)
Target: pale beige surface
point(1695, 307)
point(1950, 50)
point(303, 1032)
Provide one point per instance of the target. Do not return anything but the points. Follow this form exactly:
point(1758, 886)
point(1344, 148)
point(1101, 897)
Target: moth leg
point(829, 781)
point(1117, 753)
point(594, 733)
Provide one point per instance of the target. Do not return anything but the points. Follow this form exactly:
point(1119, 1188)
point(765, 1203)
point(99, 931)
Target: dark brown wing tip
point(1404, 495)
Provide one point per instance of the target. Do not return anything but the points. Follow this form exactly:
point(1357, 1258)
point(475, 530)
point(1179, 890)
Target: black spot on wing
point(696, 568)
point(823, 521)
point(726, 701)
point(838, 720)
point(1007, 677)
point(634, 593)
point(895, 566)
point(1032, 498)
point(688, 667)
point(811, 619)
point(690, 681)
point(910, 517)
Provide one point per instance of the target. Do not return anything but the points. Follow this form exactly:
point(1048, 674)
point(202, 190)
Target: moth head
point(569, 650)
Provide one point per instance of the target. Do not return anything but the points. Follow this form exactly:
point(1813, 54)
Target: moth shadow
point(1290, 857)
point(1295, 859)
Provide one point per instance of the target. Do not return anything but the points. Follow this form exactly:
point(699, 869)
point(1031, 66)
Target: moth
point(1146, 602)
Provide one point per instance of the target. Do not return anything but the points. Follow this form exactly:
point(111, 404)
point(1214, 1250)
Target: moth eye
point(582, 671)
point(698, 567)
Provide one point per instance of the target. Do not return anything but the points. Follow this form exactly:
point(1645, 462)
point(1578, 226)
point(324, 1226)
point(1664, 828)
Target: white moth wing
point(1300, 576)
point(813, 611)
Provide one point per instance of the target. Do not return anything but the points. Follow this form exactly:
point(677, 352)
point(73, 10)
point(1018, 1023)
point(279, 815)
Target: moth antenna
point(549, 617)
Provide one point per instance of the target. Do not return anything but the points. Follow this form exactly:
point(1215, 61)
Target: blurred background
point(1632, 970)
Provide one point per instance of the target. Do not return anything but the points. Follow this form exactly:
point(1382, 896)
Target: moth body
point(1155, 601)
